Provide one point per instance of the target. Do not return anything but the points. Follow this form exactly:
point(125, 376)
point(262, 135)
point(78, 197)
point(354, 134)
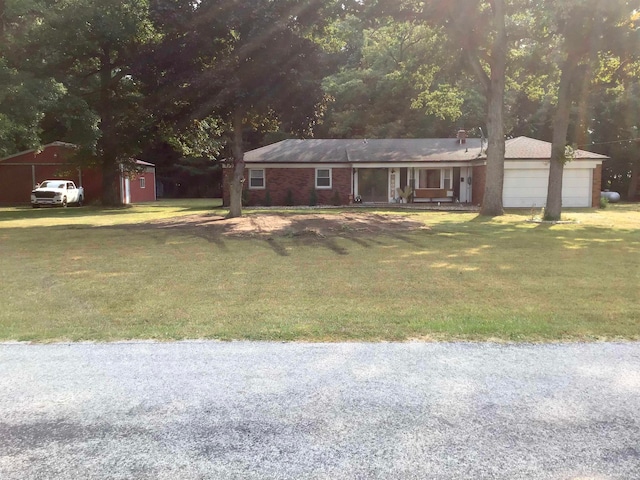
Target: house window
point(323, 178)
point(435, 178)
point(256, 178)
point(143, 182)
point(429, 178)
point(446, 183)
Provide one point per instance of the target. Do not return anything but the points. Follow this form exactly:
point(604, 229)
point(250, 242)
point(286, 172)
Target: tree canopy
point(201, 81)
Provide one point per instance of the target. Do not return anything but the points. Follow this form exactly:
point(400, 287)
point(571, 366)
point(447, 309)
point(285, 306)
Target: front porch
point(420, 206)
point(412, 184)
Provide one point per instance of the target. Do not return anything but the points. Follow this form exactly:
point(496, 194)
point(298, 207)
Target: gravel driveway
point(244, 410)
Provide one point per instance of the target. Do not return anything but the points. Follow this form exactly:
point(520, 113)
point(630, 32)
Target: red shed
point(140, 187)
point(20, 172)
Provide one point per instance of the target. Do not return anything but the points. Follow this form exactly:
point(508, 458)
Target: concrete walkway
point(244, 410)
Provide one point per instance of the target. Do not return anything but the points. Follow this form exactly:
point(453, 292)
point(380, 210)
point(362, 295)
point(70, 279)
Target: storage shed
point(19, 173)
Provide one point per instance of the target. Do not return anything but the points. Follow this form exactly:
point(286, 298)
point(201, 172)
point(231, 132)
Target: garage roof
point(521, 148)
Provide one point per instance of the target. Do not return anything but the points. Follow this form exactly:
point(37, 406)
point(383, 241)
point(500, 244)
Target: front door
point(373, 184)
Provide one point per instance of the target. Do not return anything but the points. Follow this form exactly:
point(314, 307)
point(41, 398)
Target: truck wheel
point(80, 200)
point(64, 202)
point(35, 205)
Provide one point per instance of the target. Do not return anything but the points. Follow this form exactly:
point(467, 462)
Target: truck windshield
point(51, 185)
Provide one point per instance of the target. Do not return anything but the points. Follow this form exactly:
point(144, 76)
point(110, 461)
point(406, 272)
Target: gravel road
point(243, 410)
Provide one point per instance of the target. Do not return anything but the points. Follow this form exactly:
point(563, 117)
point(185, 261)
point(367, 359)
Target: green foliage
point(604, 202)
point(313, 198)
point(444, 102)
point(267, 198)
point(202, 138)
point(288, 201)
point(396, 82)
point(91, 48)
point(112, 76)
point(25, 96)
point(569, 153)
point(589, 34)
point(336, 200)
point(245, 197)
point(254, 65)
point(616, 128)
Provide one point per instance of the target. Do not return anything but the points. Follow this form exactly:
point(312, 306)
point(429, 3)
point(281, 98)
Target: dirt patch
point(292, 225)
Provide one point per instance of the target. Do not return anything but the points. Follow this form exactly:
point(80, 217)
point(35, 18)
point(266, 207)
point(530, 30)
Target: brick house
point(337, 171)
point(19, 173)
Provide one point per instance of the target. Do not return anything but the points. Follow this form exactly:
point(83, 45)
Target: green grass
point(97, 274)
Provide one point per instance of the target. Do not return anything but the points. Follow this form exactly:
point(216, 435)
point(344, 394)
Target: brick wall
point(479, 177)
point(300, 181)
point(596, 186)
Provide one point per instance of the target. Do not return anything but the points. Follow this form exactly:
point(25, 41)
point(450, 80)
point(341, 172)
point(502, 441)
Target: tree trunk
point(237, 179)
point(107, 143)
point(110, 188)
point(553, 208)
point(632, 193)
point(492, 200)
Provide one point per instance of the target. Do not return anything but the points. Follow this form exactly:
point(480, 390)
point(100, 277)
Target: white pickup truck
point(57, 192)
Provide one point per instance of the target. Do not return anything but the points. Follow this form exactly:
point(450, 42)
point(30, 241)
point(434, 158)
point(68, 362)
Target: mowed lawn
point(97, 274)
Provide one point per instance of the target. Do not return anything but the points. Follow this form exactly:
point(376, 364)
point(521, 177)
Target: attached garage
point(526, 175)
point(527, 187)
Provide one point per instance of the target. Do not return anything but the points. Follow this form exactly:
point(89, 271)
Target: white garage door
point(524, 188)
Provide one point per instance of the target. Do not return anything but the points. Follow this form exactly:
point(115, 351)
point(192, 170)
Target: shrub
point(245, 197)
point(267, 198)
point(288, 201)
point(313, 198)
point(335, 199)
point(604, 202)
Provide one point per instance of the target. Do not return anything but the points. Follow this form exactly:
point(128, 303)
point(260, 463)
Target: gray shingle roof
point(361, 151)
point(397, 150)
point(521, 148)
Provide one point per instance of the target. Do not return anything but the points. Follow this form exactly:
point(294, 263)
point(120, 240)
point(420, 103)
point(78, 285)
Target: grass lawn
point(98, 274)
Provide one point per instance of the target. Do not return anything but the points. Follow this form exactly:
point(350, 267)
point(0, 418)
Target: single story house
point(437, 170)
point(19, 173)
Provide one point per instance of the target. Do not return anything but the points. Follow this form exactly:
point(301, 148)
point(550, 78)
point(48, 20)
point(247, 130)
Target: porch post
point(356, 188)
point(393, 175)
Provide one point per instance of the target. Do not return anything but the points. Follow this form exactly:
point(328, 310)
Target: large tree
point(477, 30)
point(615, 126)
point(25, 97)
point(251, 64)
point(581, 31)
point(90, 48)
point(399, 79)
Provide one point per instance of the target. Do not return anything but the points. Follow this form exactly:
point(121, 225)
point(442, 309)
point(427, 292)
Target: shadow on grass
point(277, 247)
point(341, 231)
point(29, 213)
point(483, 219)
